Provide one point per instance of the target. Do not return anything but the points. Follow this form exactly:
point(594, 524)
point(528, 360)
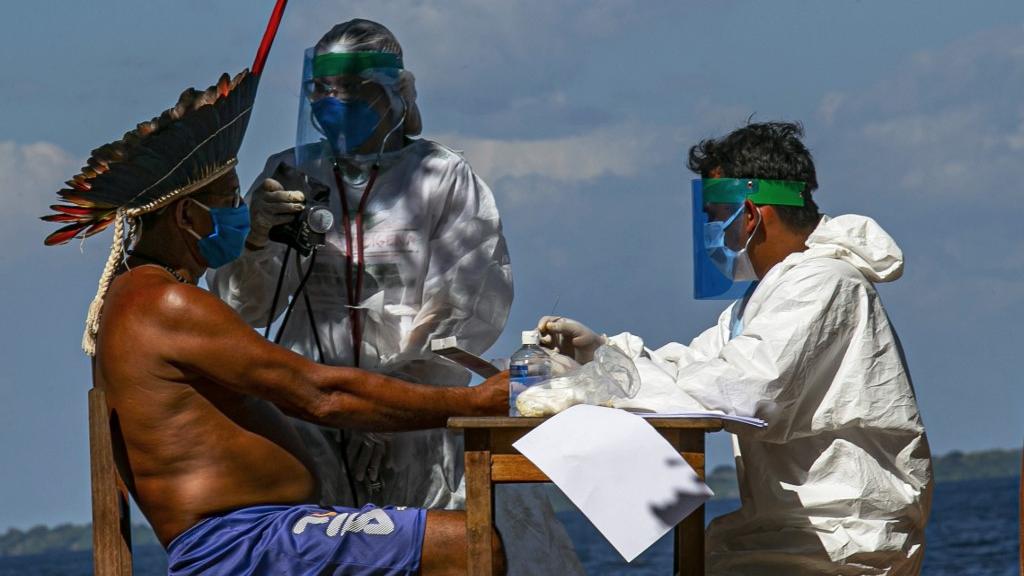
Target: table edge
point(491, 422)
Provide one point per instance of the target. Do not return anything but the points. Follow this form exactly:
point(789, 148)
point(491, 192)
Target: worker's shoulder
point(286, 156)
point(832, 266)
point(825, 271)
point(432, 151)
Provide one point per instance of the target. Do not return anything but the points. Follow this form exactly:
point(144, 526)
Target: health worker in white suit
point(416, 253)
point(840, 481)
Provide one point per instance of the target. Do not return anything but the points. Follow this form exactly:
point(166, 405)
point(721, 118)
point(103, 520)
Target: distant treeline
point(65, 538)
point(976, 465)
point(74, 537)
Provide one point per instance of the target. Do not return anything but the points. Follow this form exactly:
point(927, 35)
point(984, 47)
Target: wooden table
point(491, 459)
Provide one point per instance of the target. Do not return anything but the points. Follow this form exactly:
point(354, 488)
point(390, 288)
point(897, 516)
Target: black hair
point(767, 151)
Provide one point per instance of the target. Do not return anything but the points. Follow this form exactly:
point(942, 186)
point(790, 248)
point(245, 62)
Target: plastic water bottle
point(529, 366)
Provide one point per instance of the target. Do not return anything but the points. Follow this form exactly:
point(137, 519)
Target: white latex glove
point(270, 206)
point(365, 453)
point(560, 363)
point(569, 337)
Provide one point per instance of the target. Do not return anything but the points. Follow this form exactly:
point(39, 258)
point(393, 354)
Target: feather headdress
point(165, 158)
point(173, 155)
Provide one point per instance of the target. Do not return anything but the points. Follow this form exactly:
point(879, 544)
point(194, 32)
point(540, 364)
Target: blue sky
point(579, 115)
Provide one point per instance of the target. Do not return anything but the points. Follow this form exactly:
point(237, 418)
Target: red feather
point(62, 218)
point(71, 196)
point(64, 235)
point(149, 149)
point(79, 183)
point(73, 210)
point(98, 227)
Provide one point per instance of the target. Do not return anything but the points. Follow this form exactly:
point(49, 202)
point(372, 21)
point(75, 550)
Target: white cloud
point(935, 149)
point(619, 151)
point(944, 152)
point(495, 69)
point(469, 29)
point(1015, 140)
point(480, 36)
point(947, 126)
point(30, 175)
point(829, 105)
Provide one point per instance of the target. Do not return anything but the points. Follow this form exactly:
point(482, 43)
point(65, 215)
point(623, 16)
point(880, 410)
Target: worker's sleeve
point(773, 367)
point(467, 291)
point(657, 368)
point(248, 283)
point(669, 357)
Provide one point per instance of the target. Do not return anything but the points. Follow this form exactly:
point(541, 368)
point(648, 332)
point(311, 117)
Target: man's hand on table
point(492, 395)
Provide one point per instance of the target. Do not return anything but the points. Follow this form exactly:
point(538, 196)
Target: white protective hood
point(840, 480)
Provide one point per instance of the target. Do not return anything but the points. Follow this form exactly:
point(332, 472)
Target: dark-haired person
point(840, 480)
point(197, 399)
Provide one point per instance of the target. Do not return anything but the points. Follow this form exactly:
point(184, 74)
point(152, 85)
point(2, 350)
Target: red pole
point(268, 37)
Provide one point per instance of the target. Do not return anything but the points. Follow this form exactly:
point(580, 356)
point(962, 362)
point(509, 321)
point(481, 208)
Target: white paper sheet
point(748, 420)
point(624, 476)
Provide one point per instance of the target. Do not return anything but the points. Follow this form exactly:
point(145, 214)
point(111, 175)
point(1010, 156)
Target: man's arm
point(203, 336)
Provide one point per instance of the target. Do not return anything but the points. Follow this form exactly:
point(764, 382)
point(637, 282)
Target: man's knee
point(445, 545)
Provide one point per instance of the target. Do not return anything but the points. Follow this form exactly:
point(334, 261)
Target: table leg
point(690, 544)
point(689, 534)
point(479, 513)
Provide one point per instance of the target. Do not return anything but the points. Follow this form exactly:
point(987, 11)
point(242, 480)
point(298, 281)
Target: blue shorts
point(304, 539)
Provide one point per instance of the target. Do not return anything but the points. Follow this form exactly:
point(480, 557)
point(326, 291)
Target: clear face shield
point(721, 267)
point(348, 100)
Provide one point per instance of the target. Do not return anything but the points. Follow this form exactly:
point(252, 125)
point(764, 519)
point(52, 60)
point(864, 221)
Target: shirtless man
point(199, 399)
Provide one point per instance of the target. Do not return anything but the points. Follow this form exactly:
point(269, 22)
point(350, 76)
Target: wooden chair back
point(111, 514)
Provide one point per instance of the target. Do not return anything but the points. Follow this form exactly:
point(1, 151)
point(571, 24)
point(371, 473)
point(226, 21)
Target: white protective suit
point(436, 265)
point(840, 481)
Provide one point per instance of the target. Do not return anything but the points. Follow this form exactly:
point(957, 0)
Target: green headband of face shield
point(353, 63)
point(760, 192)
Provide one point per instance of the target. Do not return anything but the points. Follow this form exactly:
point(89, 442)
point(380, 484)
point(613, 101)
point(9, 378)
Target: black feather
point(199, 135)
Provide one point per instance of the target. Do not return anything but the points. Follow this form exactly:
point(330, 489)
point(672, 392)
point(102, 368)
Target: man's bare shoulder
point(147, 309)
point(152, 293)
point(174, 328)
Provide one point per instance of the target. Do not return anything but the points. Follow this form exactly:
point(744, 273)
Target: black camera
point(309, 228)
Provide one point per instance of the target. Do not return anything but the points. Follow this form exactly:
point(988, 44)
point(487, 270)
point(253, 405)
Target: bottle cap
point(531, 337)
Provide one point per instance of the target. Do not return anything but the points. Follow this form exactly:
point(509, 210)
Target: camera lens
point(320, 220)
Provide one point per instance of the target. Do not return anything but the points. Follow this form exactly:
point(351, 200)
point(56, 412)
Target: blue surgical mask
point(226, 242)
point(731, 263)
point(347, 125)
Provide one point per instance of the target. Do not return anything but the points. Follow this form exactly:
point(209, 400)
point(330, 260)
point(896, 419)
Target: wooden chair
point(111, 514)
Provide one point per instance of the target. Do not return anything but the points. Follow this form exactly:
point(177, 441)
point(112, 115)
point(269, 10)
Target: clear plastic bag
point(609, 377)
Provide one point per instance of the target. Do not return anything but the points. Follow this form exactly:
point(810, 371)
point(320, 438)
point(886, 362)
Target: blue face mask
point(731, 263)
point(230, 229)
point(347, 125)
